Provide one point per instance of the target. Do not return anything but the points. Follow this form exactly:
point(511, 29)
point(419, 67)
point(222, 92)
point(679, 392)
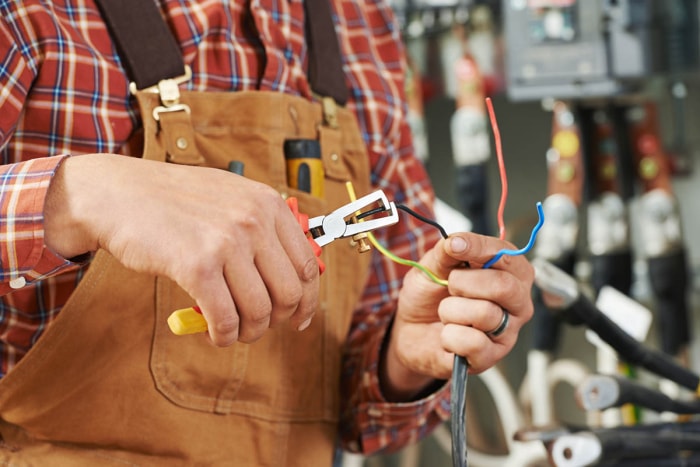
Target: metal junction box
point(595, 48)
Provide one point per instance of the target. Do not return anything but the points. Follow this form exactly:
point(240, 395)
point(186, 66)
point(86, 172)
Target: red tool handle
point(303, 220)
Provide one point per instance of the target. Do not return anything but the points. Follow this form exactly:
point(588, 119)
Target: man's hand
point(230, 242)
point(433, 322)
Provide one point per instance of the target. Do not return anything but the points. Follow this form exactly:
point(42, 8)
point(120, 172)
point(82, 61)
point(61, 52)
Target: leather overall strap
point(325, 63)
point(144, 42)
point(150, 53)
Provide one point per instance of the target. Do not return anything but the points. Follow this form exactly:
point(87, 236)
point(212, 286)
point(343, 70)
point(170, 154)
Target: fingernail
point(458, 244)
point(304, 325)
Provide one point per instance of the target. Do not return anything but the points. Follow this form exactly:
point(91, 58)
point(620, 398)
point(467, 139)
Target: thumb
point(464, 248)
point(460, 250)
point(446, 256)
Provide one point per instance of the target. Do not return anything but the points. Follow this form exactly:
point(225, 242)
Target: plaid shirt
point(64, 91)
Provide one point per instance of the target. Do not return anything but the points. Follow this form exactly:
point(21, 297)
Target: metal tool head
point(559, 290)
point(576, 450)
point(365, 214)
point(598, 392)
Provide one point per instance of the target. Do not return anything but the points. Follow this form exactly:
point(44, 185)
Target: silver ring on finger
point(500, 329)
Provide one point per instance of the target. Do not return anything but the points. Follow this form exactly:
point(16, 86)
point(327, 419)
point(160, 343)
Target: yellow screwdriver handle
point(187, 321)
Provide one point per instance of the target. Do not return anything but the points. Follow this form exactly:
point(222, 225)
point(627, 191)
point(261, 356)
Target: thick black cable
point(632, 392)
point(630, 349)
point(458, 405)
point(678, 460)
point(628, 444)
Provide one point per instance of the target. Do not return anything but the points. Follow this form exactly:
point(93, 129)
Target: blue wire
point(526, 248)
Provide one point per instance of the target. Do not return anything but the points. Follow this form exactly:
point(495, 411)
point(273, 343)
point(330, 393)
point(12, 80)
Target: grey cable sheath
point(458, 404)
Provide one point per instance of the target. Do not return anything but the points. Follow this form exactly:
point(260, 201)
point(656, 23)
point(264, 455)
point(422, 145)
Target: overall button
point(18, 282)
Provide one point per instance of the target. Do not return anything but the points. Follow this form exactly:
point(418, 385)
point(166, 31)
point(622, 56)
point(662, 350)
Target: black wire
point(405, 208)
point(372, 212)
point(423, 218)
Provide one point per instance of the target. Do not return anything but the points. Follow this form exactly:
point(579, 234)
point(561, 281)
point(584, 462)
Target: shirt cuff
point(387, 426)
point(25, 257)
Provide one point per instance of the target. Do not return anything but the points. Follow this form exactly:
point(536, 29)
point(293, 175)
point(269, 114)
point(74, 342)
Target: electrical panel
point(595, 48)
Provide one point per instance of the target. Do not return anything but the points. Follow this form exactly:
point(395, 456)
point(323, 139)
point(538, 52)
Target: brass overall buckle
point(169, 92)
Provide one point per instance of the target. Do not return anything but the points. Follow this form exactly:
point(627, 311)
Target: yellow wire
point(406, 262)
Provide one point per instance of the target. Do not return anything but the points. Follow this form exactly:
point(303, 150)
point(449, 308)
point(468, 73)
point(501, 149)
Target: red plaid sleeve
point(23, 256)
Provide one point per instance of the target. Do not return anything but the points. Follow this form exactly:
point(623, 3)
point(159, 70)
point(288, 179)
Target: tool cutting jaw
point(371, 212)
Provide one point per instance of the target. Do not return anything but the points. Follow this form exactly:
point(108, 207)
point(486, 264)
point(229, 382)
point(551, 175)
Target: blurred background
point(597, 103)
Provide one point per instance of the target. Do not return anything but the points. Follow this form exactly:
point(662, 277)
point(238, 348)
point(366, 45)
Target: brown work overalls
point(109, 384)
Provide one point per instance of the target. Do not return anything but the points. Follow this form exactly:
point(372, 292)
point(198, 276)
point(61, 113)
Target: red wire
point(501, 167)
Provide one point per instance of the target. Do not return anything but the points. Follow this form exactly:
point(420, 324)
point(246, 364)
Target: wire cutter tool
point(353, 220)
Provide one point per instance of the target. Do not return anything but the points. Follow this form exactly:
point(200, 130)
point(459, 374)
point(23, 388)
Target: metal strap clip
point(330, 112)
point(169, 92)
